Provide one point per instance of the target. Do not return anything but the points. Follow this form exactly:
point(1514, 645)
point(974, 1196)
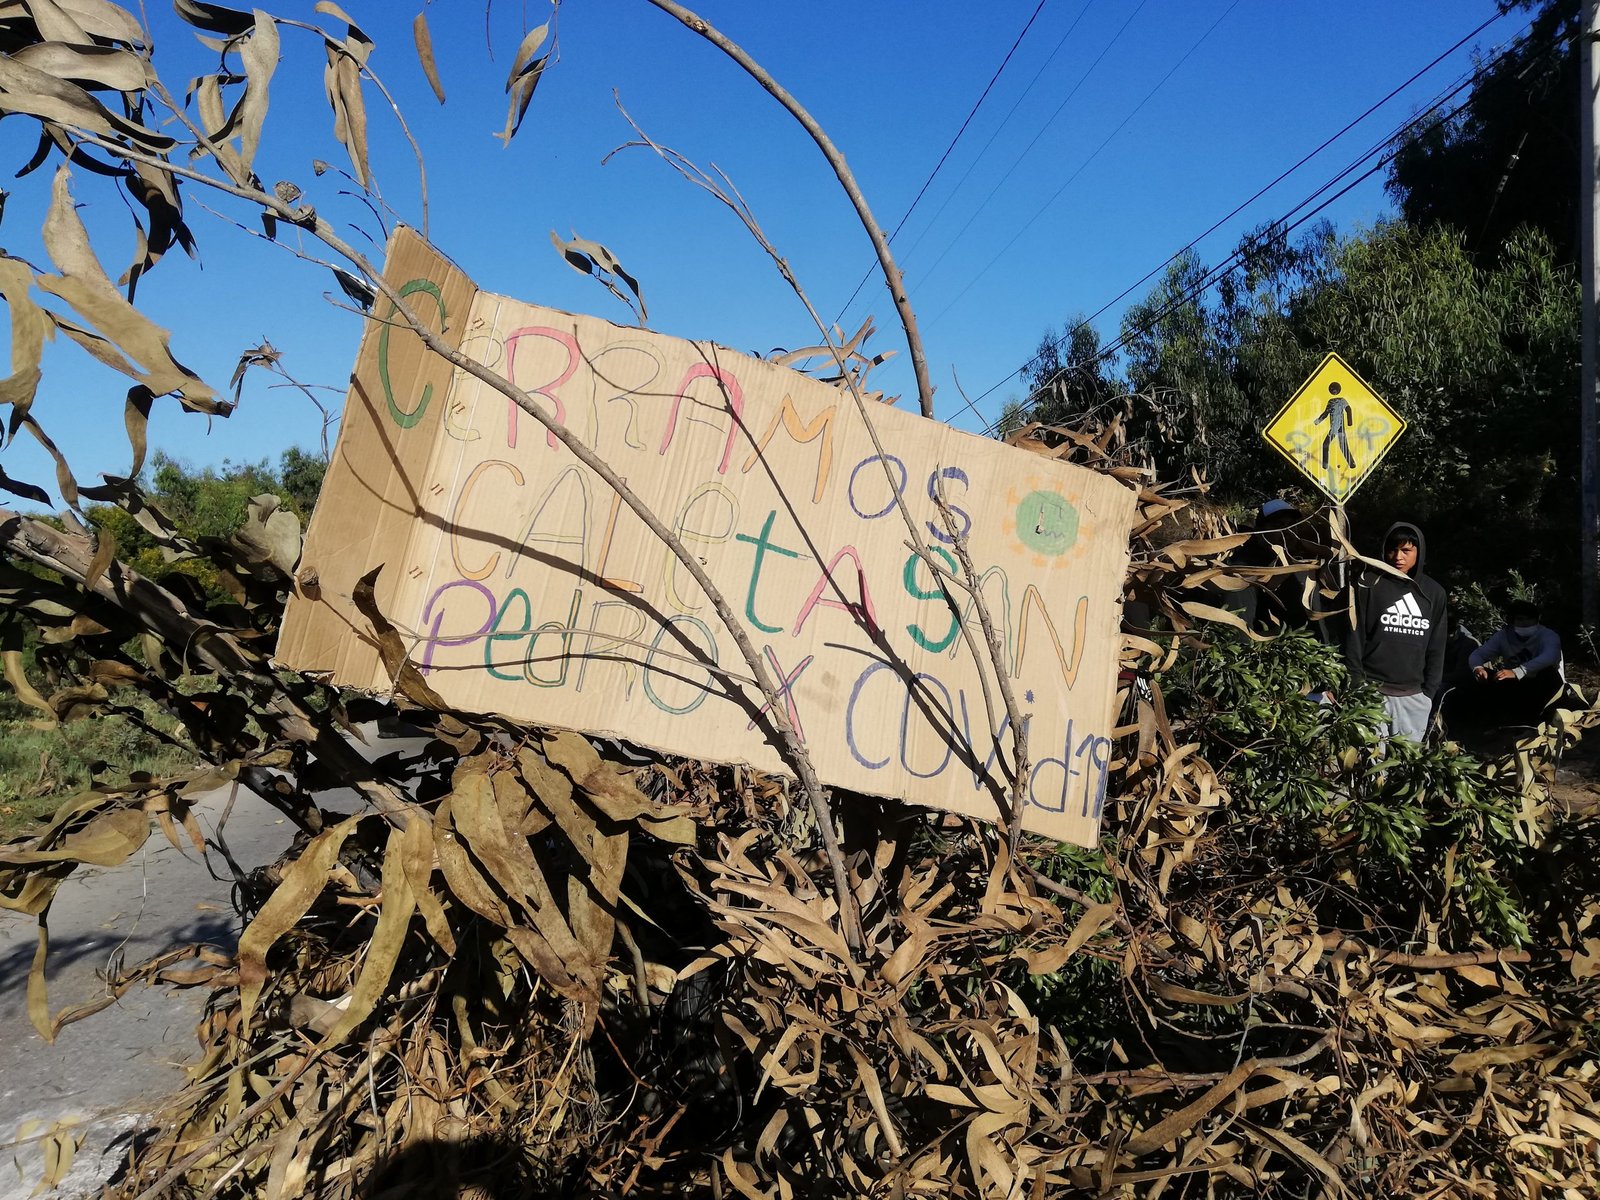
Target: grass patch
point(40, 768)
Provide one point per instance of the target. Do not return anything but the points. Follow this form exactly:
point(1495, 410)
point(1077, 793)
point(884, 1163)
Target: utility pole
point(1588, 221)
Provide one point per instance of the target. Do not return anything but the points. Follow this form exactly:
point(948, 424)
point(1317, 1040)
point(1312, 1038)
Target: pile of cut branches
point(1296, 966)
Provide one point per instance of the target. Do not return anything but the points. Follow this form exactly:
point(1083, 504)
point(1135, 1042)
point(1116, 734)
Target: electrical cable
point(1005, 121)
point(1237, 258)
point(1241, 254)
point(926, 183)
point(1046, 206)
point(1239, 208)
point(1028, 149)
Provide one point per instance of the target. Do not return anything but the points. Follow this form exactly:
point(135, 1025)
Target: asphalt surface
point(108, 1072)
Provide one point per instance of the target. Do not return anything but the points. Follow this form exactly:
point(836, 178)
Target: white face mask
point(1525, 629)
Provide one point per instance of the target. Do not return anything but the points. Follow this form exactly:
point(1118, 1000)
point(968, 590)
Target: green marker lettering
point(933, 593)
point(762, 545)
point(402, 418)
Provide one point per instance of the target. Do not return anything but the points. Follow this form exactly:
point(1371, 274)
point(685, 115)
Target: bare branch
point(847, 180)
point(972, 583)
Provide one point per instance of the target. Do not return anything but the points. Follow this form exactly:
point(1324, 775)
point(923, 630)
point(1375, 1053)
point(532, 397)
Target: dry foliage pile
point(533, 965)
point(563, 974)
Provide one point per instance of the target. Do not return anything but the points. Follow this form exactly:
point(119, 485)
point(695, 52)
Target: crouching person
point(1517, 672)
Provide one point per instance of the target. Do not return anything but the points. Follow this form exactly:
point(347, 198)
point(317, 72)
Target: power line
point(1241, 254)
point(1220, 222)
point(926, 183)
point(1211, 278)
point(1028, 149)
point(1006, 120)
point(1237, 258)
point(1234, 261)
point(1190, 245)
point(1045, 207)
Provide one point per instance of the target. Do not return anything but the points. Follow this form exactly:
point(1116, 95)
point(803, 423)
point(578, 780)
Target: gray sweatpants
point(1408, 715)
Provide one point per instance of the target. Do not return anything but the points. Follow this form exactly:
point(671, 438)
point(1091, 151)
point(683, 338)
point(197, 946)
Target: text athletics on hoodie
point(1398, 636)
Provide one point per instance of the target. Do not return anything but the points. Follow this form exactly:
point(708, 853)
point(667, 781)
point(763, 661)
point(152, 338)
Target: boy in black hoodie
point(1398, 640)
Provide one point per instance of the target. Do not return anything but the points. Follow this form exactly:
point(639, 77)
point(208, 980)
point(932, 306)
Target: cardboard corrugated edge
point(417, 379)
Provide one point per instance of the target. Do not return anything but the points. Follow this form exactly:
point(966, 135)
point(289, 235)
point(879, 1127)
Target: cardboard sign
point(525, 587)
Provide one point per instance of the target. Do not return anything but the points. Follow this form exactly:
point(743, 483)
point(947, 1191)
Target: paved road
point(111, 1069)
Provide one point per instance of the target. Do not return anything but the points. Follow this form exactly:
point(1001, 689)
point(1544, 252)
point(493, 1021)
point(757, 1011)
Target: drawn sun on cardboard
point(1045, 525)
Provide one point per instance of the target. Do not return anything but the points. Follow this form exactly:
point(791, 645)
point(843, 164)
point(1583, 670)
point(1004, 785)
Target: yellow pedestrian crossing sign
point(1335, 429)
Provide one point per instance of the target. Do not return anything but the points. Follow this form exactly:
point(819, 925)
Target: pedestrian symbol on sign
point(1337, 414)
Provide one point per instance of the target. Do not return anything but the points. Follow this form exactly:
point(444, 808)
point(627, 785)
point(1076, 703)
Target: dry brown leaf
point(30, 326)
point(87, 65)
point(389, 935)
point(509, 861)
point(260, 54)
point(526, 71)
point(342, 83)
point(424, 41)
point(1094, 919)
point(25, 691)
point(84, 285)
point(302, 883)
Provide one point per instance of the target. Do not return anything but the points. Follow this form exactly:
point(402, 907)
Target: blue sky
point(1117, 133)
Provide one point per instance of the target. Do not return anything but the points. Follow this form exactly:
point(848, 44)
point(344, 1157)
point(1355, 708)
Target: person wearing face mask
point(1521, 664)
point(1397, 639)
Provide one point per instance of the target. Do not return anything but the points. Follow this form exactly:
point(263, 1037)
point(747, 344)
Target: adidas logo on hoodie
point(1403, 616)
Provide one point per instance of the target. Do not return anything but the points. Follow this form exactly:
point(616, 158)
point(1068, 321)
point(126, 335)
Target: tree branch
point(847, 180)
point(164, 615)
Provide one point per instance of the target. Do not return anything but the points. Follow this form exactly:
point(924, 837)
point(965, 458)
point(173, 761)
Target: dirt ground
point(1575, 786)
